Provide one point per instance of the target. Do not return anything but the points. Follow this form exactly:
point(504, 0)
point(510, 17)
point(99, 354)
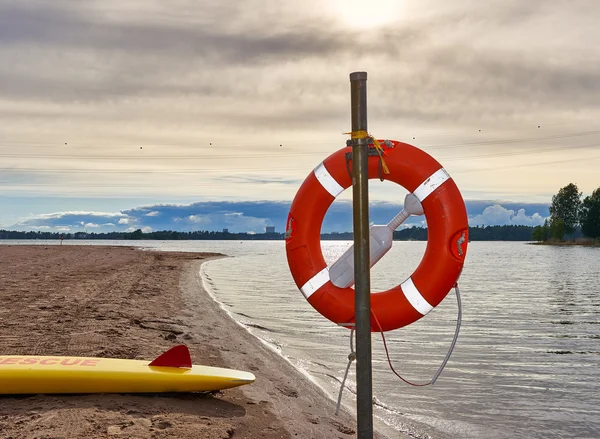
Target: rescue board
point(170, 372)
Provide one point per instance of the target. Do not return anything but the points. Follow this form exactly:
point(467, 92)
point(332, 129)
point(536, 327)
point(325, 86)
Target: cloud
point(213, 216)
point(110, 76)
point(256, 216)
point(72, 220)
point(145, 229)
point(291, 66)
point(498, 215)
point(196, 219)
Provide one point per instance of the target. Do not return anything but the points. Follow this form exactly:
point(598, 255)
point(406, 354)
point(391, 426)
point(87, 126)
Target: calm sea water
point(527, 362)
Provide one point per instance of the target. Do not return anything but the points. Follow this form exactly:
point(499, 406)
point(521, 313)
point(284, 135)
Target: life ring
point(444, 257)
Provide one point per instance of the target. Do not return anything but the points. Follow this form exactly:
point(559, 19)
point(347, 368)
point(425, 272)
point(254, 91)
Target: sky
point(190, 114)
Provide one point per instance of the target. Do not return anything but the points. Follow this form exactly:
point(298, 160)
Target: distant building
point(270, 229)
point(225, 230)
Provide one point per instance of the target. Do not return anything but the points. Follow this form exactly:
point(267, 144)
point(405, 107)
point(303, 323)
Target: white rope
point(351, 358)
point(352, 354)
point(456, 331)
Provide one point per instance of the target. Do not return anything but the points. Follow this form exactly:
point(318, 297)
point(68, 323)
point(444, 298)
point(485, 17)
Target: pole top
point(358, 76)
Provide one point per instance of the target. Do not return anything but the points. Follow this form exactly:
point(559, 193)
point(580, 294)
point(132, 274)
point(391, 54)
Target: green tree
point(541, 233)
point(557, 228)
point(590, 215)
point(566, 206)
point(546, 231)
point(537, 234)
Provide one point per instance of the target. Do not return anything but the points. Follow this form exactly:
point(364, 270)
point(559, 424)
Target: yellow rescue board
point(56, 374)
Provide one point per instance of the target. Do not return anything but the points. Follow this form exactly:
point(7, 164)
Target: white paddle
point(381, 237)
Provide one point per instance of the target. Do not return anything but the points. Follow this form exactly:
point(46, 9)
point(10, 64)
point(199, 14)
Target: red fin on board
point(177, 356)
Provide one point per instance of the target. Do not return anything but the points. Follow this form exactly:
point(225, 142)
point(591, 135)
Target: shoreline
point(568, 243)
point(269, 346)
point(122, 302)
point(287, 389)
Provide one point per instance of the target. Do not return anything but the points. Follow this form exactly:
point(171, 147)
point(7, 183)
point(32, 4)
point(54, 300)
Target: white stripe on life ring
point(431, 184)
point(317, 281)
point(327, 181)
point(415, 298)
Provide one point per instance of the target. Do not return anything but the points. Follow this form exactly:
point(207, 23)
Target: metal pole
point(362, 285)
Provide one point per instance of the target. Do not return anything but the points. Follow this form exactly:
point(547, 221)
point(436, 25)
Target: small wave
point(257, 326)
point(574, 352)
point(243, 315)
point(275, 344)
point(320, 364)
point(382, 405)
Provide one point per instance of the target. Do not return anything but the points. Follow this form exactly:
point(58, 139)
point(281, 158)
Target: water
point(527, 363)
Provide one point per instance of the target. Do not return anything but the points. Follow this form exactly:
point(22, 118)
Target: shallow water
point(527, 362)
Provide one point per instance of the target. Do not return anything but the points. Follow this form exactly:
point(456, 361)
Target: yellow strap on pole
point(378, 147)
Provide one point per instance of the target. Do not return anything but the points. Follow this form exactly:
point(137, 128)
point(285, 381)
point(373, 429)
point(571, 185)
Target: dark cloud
point(255, 216)
point(67, 28)
point(92, 58)
point(71, 221)
point(184, 73)
point(237, 179)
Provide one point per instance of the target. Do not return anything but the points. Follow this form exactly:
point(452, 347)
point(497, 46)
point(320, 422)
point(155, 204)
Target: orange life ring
point(444, 256)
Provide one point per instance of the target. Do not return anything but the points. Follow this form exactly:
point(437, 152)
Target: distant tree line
point(488, 233)
point(571, 216)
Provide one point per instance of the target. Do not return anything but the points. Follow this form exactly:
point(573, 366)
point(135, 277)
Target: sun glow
point(366, 14)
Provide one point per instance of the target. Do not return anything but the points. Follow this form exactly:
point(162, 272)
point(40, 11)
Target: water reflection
point(526, 361)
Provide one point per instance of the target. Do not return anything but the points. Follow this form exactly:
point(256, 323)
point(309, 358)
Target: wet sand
point(118, 302)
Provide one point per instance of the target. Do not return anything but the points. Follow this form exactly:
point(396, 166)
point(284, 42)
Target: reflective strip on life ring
point(313, 285)
point(327, 181)
point(414, 297)
point(444, 256)
point(431, 184)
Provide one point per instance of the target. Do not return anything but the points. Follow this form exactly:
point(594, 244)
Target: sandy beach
point(119, 302)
